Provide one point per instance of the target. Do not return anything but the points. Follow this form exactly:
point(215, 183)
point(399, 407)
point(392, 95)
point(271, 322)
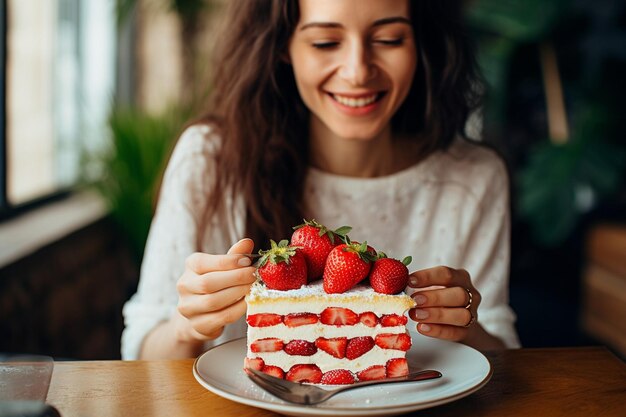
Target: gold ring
point(470, 297)
point(472, 319)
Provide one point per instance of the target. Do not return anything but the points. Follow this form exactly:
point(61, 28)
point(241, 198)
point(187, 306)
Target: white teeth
point(355, 102)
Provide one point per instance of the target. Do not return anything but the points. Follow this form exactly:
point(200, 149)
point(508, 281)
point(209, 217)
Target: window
point(58, 85)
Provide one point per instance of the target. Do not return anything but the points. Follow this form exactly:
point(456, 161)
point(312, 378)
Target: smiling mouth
point(356, 102)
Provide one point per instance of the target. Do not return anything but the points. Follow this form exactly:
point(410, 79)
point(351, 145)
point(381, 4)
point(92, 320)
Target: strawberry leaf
point(342, 234)
point(343, 230)
point(277, 253)
point(407, 260)
point(263, 259)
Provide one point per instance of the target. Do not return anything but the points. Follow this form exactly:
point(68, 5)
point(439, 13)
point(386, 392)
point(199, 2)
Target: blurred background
point(95, 92)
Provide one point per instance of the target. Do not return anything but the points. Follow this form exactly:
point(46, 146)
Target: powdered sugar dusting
point(365, 292)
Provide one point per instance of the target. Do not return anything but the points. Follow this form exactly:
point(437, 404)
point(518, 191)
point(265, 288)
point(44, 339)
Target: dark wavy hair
point(258, 112)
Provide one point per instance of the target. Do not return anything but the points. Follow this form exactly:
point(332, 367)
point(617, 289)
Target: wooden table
point(587, 381)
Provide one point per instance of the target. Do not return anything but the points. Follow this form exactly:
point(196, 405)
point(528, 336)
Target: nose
point(357, 67)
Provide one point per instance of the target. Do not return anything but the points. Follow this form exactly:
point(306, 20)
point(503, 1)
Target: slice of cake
point(348, 327)
point(307, 335)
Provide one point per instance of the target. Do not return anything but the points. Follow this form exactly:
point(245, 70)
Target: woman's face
point(354, 62)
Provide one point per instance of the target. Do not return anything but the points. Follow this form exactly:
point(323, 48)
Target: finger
point(201, 263)
point(215, 281)
point(439, 275)
point(445, 297)
point(244, 246)
point(449, 316)
point(442, 331)
point(209, 323)
point(195, 335)
point(206, 303)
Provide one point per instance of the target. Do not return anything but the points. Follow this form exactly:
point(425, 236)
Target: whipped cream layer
point(376, 356)
point(310, 332)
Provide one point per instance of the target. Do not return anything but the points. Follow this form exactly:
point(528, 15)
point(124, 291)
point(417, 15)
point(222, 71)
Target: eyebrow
point(379, 22)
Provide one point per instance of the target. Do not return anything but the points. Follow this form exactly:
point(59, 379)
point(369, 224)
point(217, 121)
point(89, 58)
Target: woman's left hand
point(448, 310)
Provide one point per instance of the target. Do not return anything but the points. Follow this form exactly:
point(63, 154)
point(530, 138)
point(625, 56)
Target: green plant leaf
point(132, 164)
point(550, 186)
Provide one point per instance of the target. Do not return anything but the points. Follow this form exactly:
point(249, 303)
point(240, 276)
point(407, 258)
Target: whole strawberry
point(282, 267)
point(316, 242)
point(347, 264)
point(389, 276)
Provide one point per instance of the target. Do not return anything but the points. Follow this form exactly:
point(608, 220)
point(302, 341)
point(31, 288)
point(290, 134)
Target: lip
point(357, 111)
point(355, 95)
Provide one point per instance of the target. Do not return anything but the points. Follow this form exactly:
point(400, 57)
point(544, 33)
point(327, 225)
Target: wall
point(65, 300)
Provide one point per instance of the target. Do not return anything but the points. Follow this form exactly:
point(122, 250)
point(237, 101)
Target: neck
point(375, 157)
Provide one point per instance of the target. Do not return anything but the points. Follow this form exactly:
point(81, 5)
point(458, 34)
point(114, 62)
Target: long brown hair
point(263, 122)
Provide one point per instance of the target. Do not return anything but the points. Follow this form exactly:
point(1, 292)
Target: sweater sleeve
point(487, 255)
point(173, 236)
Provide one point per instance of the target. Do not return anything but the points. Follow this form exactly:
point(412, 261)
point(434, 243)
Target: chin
point(358, 134)
point(357, 138)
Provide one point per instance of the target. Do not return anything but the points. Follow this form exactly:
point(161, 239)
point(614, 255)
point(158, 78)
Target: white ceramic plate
point(464, 370)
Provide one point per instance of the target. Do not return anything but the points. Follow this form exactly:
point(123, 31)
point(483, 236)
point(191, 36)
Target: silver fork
point(299, 393)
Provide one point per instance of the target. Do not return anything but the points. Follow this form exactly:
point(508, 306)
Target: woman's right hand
point(211, 292)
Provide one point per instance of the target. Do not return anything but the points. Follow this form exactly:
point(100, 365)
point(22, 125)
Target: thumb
point(245, 245)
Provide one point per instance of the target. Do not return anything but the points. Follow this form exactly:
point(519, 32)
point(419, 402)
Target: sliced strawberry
point(400, 341)
point(274, 371)
point(300, 319)
point(372, 373)
point(339, 316)
point(369, 319)
point(338, 377)
point(390, 320)
point(264, 320)
point(335, 347)
point(358, 346)
point(300, 347)
point(253, 363)
point(269, 344)
point(397, 367)
point(304, 373)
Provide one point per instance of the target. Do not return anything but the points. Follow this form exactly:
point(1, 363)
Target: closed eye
point(325, 45)
point(392, 42)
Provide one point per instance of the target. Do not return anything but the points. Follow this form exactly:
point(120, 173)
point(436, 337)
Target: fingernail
point(420, 314)
point(244, 261)
point(413, 281)
point(424, 327)
point(419, 299)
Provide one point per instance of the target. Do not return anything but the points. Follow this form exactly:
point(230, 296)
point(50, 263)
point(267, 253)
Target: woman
point(349, 112)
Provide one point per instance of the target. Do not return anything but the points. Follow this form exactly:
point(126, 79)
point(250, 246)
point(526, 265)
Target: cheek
point(402, 72)
point(309, 68)
point(309, 74)
point(405, 68)
point(302, 75)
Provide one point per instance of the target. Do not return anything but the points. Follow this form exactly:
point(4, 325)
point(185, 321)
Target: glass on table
point(24, 383)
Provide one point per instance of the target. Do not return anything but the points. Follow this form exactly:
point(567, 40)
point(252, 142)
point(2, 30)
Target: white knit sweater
point(450, 209)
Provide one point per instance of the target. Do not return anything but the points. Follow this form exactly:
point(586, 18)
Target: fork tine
point(268, 383)
point(273, 389)
point(310, 394)
point(274, 382)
